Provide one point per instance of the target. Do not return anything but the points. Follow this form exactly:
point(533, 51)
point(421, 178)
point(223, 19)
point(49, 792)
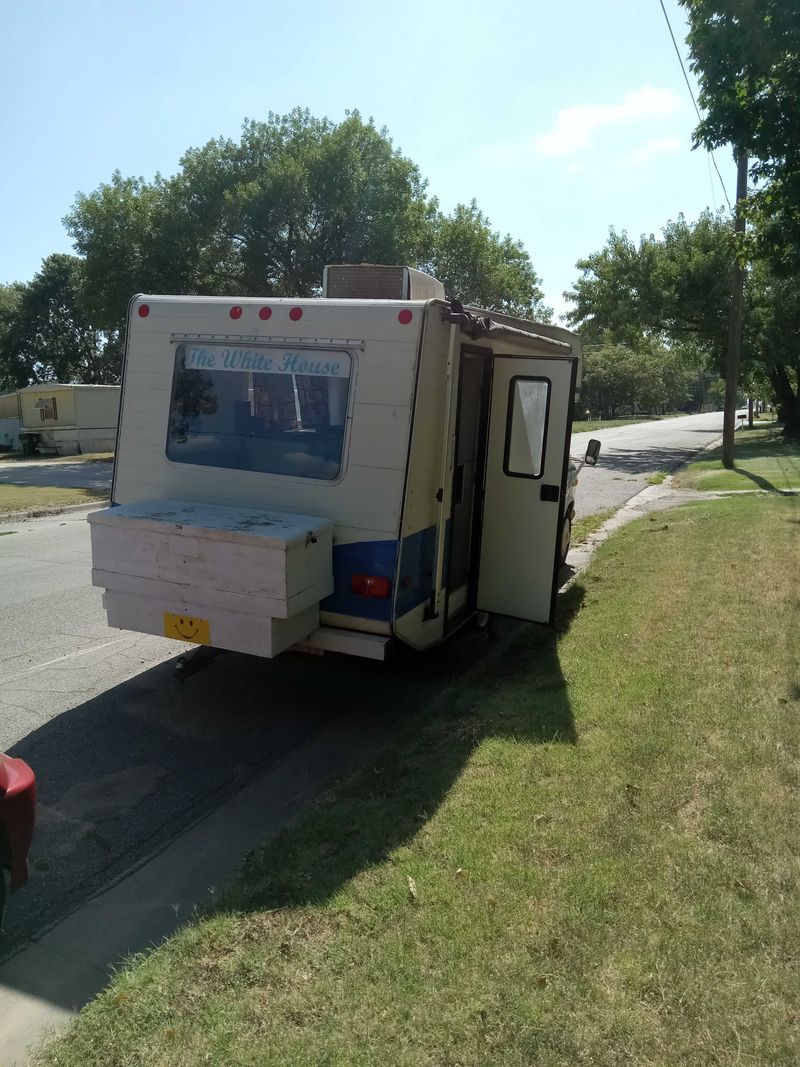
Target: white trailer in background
point(335, 473)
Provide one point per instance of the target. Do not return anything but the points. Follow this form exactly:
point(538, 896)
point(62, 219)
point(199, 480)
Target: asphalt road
point(631, 454)
point(64, 473)
point(127, 757)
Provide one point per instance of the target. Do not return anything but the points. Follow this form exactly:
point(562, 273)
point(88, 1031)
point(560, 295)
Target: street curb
point(580, 556)
point(42, 513)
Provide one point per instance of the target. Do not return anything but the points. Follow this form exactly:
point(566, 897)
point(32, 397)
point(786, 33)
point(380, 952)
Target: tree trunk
point(788, 402)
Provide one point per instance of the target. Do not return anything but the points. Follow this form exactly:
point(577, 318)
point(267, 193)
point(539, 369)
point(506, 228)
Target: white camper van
point(338, 473)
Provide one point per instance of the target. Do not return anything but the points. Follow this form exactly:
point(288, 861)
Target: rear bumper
point(17, 817)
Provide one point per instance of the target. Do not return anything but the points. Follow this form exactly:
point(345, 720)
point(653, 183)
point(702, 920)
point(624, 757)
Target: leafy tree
point(675, 291)
point(261, 216)
point(45, 333)
point(478, 266)
point(618, 379)
point(674, 288)
point(746, 56)
point(10, 297)
point(773, 334)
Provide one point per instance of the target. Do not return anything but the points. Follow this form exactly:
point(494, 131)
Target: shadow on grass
point(382, 807)
point(121, 775)
point(762, 483)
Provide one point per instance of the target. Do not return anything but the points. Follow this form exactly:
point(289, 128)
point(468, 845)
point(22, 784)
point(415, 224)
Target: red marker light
point(235, 312)
point(265, 313)
point(295, 314)
point(370, 585)
point(144, 311)
point(405, 316)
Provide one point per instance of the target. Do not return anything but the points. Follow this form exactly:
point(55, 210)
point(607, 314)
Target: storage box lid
point(269, 529)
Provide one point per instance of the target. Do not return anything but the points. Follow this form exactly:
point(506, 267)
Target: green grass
point(658, 478)
point(588, 856)
point(589, 524)
point(86, 457)
point(763, 459)
point(15, 498)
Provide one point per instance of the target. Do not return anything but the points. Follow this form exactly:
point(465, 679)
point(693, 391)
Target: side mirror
point(592, 452)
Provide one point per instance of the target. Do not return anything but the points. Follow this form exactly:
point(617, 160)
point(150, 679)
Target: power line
point(691, 94)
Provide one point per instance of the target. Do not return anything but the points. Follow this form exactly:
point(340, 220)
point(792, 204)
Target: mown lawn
point(43, 497)
point(763, 459)
point(588, 856)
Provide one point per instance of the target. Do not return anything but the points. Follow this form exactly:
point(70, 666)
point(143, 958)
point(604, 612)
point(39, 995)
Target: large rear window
point(278, 411)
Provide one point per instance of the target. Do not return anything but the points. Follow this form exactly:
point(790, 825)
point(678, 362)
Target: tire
point(566, 536)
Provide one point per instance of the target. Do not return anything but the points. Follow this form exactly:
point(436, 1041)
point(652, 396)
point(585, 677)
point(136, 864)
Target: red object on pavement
point(17, 817)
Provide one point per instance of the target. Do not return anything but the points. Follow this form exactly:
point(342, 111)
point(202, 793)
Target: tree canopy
point(746, 56)
point(478, 266)
point(45, 333)
point(674, 290)
point(257, 216)
point(263, 215)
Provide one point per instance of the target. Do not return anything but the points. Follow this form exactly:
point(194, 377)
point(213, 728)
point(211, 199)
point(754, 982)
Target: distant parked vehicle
point(17, 816)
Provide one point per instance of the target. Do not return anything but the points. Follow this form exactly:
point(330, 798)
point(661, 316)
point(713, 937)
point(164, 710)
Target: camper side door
point(526, 471)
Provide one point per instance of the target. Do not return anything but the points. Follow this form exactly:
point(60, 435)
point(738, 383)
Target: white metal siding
point(365, 503)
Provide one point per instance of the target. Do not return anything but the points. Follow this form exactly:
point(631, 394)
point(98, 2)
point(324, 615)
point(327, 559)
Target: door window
point(528, 403)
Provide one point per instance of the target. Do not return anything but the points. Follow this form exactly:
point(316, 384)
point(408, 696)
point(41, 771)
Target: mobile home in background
point(336, 473)
point(68, 419)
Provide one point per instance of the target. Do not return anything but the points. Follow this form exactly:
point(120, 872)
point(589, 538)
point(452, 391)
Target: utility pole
point(735, 321)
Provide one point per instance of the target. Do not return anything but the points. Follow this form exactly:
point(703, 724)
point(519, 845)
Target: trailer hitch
point(199, 659)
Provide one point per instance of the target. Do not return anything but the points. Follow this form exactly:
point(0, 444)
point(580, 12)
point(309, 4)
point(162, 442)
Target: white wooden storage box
point(254, 578)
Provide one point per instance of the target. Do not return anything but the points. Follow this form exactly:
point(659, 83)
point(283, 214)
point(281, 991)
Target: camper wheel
point(566, 535)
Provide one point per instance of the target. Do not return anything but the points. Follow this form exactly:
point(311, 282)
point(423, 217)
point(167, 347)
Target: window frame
point(42, 404)
point(351, 353)
point(510, 420)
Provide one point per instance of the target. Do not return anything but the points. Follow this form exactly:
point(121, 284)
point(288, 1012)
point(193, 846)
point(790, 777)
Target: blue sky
point(561, 119)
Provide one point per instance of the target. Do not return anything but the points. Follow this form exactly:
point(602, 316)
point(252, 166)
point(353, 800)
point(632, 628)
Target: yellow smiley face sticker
point(187, 628)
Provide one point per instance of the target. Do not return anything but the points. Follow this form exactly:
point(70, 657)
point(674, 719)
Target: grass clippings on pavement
point(589, 855)
point(763, 459)
point(25, 498)
point(584, 527)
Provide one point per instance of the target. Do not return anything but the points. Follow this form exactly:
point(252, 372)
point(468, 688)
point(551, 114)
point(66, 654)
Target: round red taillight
point(265, 313)
point(405, 316)
point(144, 311)
point(295, 314)
point(235, 312)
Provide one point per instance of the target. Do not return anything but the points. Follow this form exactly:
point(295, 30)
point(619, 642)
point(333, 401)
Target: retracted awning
point(477, 326)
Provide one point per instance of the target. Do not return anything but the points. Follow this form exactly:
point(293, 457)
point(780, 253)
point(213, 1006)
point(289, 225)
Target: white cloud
point(574, 126)
point(660, 146)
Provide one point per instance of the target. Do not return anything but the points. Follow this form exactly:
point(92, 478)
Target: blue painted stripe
point(415, 573)
point(412, 573)
point(361, 557)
